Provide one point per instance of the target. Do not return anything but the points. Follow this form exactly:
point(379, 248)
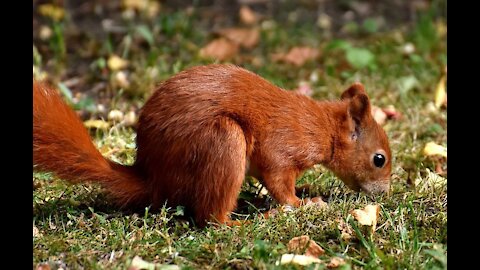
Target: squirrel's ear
point(355, 89)
point(359, 107)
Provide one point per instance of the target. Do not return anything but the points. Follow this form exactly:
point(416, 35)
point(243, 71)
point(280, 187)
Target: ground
point(108, 56)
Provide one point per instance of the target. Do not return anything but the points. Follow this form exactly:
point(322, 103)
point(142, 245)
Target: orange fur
point(205, 128)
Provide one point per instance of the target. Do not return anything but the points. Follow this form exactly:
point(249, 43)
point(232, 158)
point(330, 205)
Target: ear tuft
point(355, 89)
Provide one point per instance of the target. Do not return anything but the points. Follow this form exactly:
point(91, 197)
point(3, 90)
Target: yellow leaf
point(135, 4)
point(297, 259)
point(52, 11)
point(433, 149)
point(116, 63)
point(441, 28)
point(367, 216)
point(440, 93)
point(98, 124)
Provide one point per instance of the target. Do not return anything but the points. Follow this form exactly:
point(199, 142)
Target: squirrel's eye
point(379, 160)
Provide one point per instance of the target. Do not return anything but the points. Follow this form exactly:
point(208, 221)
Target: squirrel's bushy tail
point(62, 145)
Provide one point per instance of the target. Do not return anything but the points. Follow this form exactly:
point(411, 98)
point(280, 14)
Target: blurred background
point(105, 49)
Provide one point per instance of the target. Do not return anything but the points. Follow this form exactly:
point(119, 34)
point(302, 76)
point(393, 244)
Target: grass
point(79, 229)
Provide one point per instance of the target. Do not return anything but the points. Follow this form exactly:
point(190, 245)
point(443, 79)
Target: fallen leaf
point(303, 244)
point(367, 216)
point(345, 229)
point(441, 27)
point(45, 32)
point(43, 266)
point(153, 9)
point(130, 119)
point(408, 48)
point(297, 55)
point(335, 262)
point(391, 112)
point(379, 115)
point(36, 233)
point(135, 4)
point(98, 124)
point(297, 259)
point(247, 16)
point(52, 11)
point(115, 115)
point(433, 149)
point(115, 62)
point(359, 57)
point(262, 188)
point(121, 79)
point(304, 89)
point(324, 21)
point(245, 37)
point(438, 169)
point(220, 49)
point(431, 180)
point(440, 94)
point(139, 264)
point(315, 202)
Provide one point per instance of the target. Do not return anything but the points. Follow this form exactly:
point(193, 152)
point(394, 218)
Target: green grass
point(79, 229)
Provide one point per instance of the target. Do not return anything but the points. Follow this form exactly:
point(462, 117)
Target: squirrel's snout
point(376, 187)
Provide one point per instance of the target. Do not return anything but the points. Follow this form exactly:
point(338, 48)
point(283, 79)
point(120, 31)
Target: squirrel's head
point(361, 154)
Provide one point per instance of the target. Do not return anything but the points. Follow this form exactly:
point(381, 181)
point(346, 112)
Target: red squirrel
point(207, 127)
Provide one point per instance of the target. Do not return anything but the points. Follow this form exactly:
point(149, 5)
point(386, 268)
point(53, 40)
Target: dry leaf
point(431, 180)
point(121, 79)
point(43, 266)
point(247, 16)
point(245, 37)
point(45, 32)
point(335, 262)
point(379, 115)
point(139, 264)
point(52, 11)
point(153, 9)
point(304, 89)
point(433, 149)
point(303, 244)
point(345, 229)
point(220, 48)
point(441, 94)
point(262, 188)
point(324, 21)
point(408, 48)
point(298, 259)
point(391, 112)
point(135, 4)
point(98, 124)
point(297, 55)
point(116, 63)
point(130, 119)
point(115, 115)
point(36, 233)
point(367, 216)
